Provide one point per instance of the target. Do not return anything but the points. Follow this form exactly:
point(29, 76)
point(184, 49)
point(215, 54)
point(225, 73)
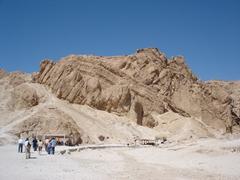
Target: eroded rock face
point(233, 89)
point(137, 85)
point(24, 96)
point(21, 94)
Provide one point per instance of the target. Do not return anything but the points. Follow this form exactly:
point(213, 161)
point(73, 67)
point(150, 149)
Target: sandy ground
point(202, 159)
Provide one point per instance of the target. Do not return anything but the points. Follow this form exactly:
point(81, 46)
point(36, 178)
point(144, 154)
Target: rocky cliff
point(139, 85)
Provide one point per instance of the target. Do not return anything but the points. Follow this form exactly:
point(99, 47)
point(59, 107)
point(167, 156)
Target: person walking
point(27, 145)
point(49, 148)
point(20, 145)
point(46, 142)
point(40, 145)
point(35, 144)
point(53, 145)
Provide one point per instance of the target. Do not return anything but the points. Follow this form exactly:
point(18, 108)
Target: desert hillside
point(94, 99)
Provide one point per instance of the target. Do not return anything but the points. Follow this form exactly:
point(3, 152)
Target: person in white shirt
point(20, 145)
point(26, 142)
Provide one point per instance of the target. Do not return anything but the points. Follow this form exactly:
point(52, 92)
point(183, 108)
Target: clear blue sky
point(206, 32)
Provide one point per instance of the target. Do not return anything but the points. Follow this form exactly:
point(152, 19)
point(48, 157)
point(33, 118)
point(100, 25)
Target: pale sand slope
point(204, 159)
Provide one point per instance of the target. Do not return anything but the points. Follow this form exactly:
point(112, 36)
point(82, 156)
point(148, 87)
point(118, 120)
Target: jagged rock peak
point(148, 50)
point(152, 53)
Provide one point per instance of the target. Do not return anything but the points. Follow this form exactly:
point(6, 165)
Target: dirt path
point(134, 169)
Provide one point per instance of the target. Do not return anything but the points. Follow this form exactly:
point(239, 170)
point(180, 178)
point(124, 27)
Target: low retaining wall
point(77, 149)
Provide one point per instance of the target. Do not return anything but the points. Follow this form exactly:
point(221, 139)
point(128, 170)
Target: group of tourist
point(37, 145)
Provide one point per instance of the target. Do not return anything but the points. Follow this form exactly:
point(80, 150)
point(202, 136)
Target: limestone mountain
point(120, 97)
point(138, 85)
